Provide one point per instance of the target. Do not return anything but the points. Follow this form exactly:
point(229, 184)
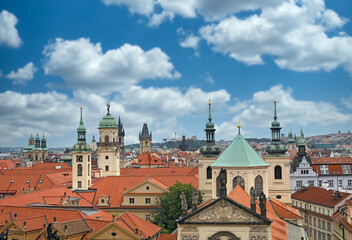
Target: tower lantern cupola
point(275, 147)
point(210, 149)
point(43, 141)
point(81, 137)
point(37, 141)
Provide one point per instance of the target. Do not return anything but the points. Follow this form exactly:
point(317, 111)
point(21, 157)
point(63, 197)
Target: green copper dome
point(239, 154)
point(31, 138)
point(108, 122)
point(301, 140)
point(82, 147)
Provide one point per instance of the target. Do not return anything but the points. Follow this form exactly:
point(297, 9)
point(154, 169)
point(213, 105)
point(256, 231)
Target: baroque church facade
point(36, 150)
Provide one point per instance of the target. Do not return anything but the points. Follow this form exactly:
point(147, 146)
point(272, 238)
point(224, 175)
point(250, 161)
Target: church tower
point(291, 142)
point(279, 160)
point(302, 145)
point(81, 160)
point(145, 140)
point(94, 144)
point(109, 146)
point(210, 153)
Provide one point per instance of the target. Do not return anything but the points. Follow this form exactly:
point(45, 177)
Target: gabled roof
point(146, 228)
point(331, 160)
point(320, 196)
point(116, 185)
point(148, 159)
point(262, 220)
point(159, 171)
point(239, 154)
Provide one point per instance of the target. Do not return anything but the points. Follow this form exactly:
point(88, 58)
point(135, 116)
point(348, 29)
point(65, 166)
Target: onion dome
point(275, 147)
point(210, 149)
point(108, 121)
point(290, 138)
point(81, 145)
point(301, 140)
point(31, 138)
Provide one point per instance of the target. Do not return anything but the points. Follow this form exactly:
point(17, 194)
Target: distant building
point(317, 206)
point(110, 145)
point(145, 140)
point(36, 150)
point(183, 144)
point(81, 160)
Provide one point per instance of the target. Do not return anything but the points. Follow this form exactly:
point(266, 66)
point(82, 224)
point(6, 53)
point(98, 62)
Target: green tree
point(170, 204)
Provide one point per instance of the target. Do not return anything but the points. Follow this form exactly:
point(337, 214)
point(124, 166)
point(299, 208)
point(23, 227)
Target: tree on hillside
point(170, 204)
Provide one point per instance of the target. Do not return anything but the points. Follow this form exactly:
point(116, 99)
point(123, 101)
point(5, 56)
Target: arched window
point(258, 183)
point(278, 172)
point(106, 138)
point(238, 180)
point(113, 139)
point(79, 170)
point(209, 173)
point(88, 170)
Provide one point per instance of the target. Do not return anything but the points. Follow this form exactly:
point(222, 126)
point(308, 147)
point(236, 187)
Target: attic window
point(147, 188)
point(18, 172)
point(40, 181)
point(113, 234)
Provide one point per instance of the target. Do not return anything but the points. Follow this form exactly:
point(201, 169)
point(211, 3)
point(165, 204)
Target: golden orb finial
point(81, 108)
point(209, 101)
point(239, 125)
point(274, 101)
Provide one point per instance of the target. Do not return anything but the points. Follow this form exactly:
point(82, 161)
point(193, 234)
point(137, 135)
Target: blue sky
point(158, 61)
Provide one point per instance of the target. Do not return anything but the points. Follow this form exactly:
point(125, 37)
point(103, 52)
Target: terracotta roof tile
point(320, 196)
point(146, 228)
point(116, 185)
point(165, 236)
point(285, 211)
point(159, 171)
point(278, 226)
point(331, 160)
point(339, 218)
point(32, 223)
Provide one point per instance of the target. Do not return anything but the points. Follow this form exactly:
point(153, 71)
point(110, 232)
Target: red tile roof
point(278, 226)
point(51, 166)
point(41, 196)
point(320, 196)
point(146, 228)
point(332, 160)
point(285, 211)
point(9, 163)
point(114, 186)
point(32, 223)
point(165, 236)
point(159, 171)
point(148, 159)
point(340, 219)
point(61, 214)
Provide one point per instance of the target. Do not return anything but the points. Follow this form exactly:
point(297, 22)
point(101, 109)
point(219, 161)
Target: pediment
point(225, 211)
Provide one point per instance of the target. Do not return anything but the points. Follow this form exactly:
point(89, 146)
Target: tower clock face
point(79, 158)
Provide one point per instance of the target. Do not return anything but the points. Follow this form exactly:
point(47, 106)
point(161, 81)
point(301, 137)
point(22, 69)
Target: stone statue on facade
point(262, 204)
point(194, 199)
point(253, 198)
point(184, 206)
point(223, 181)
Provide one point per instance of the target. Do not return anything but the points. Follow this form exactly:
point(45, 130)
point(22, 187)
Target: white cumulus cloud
point(85, 66)
point(8, 32)
point(22, 75)
point(295, 35)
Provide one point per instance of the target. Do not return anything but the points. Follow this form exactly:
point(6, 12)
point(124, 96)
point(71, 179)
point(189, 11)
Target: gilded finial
point(239, 127)
point(209, 101)
point(274, 101)
point(81, 108)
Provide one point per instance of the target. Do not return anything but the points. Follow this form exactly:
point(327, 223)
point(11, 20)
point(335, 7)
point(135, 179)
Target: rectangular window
point(315, 209)
point(107, 168)
point(328, 212)
point(349, 183)
point(329, 237)
point(147, 201)
point(328, 226)
point(88, 158)
point(314, 222)
point(331, 183)
point(320, 183)
point(324, 169)
point(147, 217)
point(311, 183)
point(310, 220)
point(299, 183)
point(79, 184)
point(323, 224)
point(131, 200)
point(340, 183)
point(319, 223)
point(346, 169)
point(323, 211)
